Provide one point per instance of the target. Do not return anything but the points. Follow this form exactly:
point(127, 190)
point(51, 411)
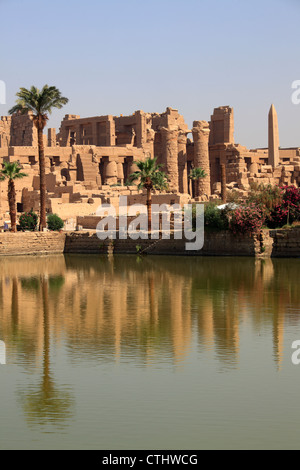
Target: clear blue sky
point(118, 56)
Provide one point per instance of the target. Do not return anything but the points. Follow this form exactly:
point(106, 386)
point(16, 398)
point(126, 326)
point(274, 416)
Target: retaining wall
point(274, 243)
point(286, 243)
point(32, 243)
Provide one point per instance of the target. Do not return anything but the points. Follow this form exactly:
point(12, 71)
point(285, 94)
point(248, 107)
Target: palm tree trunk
point(195, 188)
point(149, 206)
point(43, 223)
point(12, 205)
point(223, 183)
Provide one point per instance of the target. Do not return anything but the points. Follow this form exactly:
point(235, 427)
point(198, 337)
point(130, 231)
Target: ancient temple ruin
point(90, 160)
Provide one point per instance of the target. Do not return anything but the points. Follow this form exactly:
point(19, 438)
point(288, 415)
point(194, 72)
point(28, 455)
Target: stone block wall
point(286, 243)
point(23, 131)
point(35, 243)
point(216, 244)
point(276, 243)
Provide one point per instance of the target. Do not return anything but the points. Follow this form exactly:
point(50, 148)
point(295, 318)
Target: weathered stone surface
point(201, 133)
point(93, 158)
point(170, 155)
point(182, 163)
point(32, 243)
point(273, 138)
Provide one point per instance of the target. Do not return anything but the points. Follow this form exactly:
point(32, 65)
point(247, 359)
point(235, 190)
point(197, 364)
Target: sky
point(119, 56)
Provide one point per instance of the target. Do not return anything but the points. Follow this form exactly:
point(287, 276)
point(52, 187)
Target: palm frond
point(38, 102)
point(149, 175)
point(11, 171)
point(197, 173)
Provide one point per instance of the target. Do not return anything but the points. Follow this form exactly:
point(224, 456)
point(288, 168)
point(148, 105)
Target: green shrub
point(28, 221)
point(267, 197)
point(55, 223)
point(215, 218)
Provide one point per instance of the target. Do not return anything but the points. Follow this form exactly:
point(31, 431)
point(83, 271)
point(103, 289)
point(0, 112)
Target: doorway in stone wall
point(125, 170)
point(101, 171)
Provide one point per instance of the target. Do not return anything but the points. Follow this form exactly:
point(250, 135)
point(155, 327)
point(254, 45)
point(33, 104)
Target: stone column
point(79, 133)
point(201, 133)
point(51, 137)
point(94, 133)
point(111, 172)
point(120, 173)
point(170, 155)
point(182, 163)
point(110, 132)
point(132, 167)
point(150, 141)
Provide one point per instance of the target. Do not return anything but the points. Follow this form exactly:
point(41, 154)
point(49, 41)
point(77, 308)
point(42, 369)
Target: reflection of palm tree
point(45, 404)
point(15, 305)
point(151, 296)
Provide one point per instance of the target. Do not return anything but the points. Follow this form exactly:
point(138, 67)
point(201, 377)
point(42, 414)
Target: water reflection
point(118, 308)
point(146, 311)
point(45, 402)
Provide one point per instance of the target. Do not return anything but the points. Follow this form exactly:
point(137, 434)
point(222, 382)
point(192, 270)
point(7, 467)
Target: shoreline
point(281, 243)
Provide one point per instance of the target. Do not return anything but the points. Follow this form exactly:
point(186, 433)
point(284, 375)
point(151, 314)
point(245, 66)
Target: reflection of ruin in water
point(118, 308)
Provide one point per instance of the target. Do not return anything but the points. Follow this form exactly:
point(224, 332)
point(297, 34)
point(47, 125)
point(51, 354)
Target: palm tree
point(40, 103)
point(223, 184)
point(12, 172)
point(195, 175)
point(150, 177)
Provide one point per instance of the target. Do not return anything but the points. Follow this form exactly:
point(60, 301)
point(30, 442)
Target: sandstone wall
point(276, 243)
point(31, 243)
point(286, 243)
point(216, 244)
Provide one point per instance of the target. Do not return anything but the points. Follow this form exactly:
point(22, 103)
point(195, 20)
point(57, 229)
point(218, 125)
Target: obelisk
point(273, 138)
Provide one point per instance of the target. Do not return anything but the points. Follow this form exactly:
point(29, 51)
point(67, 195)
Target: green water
point(152, 353)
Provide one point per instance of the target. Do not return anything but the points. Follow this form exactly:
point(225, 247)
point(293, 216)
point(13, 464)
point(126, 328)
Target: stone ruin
point(272, 165)
point(89, 161)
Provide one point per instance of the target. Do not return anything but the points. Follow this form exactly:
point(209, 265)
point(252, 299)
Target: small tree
point(28, 221)
point(55, 223)
point(247, 219)
point(195, 175)
point(12, 172)
point(40, 103)
point(287, 210)
point(150, 177)
point(223, 183)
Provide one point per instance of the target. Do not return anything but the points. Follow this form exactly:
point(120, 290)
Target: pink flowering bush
point(28, 221)
point(288, 211)
point(247, 219)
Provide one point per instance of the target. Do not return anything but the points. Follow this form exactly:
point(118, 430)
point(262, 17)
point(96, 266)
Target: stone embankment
point(273, 243)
